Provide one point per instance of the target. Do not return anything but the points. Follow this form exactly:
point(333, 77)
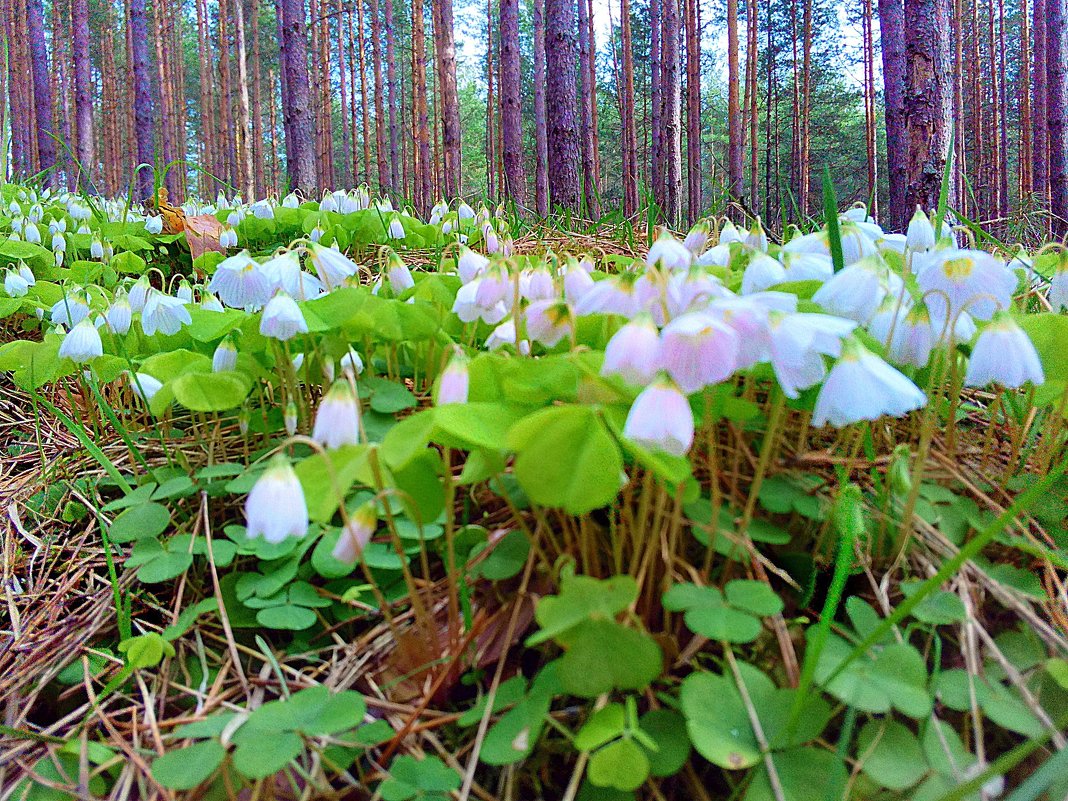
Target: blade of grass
point(830, 213)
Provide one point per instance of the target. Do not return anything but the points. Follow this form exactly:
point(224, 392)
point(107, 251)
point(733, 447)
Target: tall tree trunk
point(258, 159)
point(752, 57)
point(672, 118)
point(142, 94)
point(445, 45)
point(42, 90)
point(693, 111)
point(364, 105)
point(541, 138)
point(656, 99)
point(511, 104)
point(892, 40)
point(587, 97)
point(1040, 173)
point(420, 116)
point(1024, 89)
point(244, 107)
point(630, 133)
point(595, 125)
point(560, 105)
point(491, 107)
point(382, 157)
point(735, 181)
point(83, 99)
point(1057, 109)
point(394, 96)
point(296, 106)
point(928, 107)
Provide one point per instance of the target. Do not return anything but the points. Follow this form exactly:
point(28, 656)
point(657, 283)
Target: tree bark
point(445, 44)
point(1057, 109)
point(928, 107)
point(42, 90)
point(735, 169)
point(511, 104)
point(380, 122)
point(142, 95)
point(258, 159)
point(630, 133)
point(296, 107)
point(83, 98)
point(391, 81)
point(541, 139)
point(420, 116)
point(1040, 173)
point(587, 98)
point(693, 111)
point(560, 106)
point(656, 100)
point(671, 120)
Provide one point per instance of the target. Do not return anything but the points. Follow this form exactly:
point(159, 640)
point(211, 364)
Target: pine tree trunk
point(595, 124)
point(928, 107)
point(391, 81)
point(1039, 104)
point(1057, 110)
point(693, 111)
point(560, 105)
point(142, 95)
point(656, 101)
point(672, 116)
point(541, 138)
point(735, 180)
point(364, 105)
point(420, 116)
point(445, 47)
point(380, 122)
point(296, 105)
point(83, 99)
point(630, 133)
point(587, 97)
point(511, 103)
point(244, 106)
point(258, 159)
point(42, 90)
point(1023, 88)
point(892, 40)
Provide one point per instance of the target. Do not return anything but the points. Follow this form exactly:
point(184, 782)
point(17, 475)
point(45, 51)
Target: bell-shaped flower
point(716, 256)
point(470, 264)
point(467, 308)
point(613, 295)
point(282, 318)
point(332, 267)
point(351, 364)
point(857, 291)
point(400, 277)
point(208, 302)
point(548, 321)
point(275, 508)
point(536, 283)
point(241, 283)
point(139, 293)
point(15, 285)
point(747, 316)
point(1003, 354)
point(806, 266)
point(861, 386)
point(82, 343)
point(957, 280)
point(185, 291)
point(762, 272)
point(31, 233)
point(163, 313)
point(797, 344)
point(225, 357)
point(70, 309)
point(337, 422)
point(143, 385)
point(119, 315)
point(396, 228)
point(454, 384)
point(154, 225)
point(494, 286)
point(697, 238)
point(577, 281)
point(356, 533)
point(669, 253)
point(729, 232)
point(757, 238)
point(661, 419)
point(26, 274)
point(1058, 284)
point(920, 235)
point(697, 350)
point(633, 351)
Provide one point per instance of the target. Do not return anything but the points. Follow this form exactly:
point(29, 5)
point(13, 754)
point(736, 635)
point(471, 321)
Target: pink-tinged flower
point(857, 291)
point(693, 290)
point(504, 334)
point(454, 382)
point(577, 282)
point(861, 386)
point(661, 419)
point(332, 267)
point(470, 264)
point(797, 344)
point(633, 351)
point(357, 533)
point(747, 316)
point(82, 343)
point(669, 253)
point(276, 509)
point(240, 282)
point(613, 295)
point(697, 350)
point(164, 314)
point(548, 321)
point(762, 272)
point(1004, 354)
point(495, 286)
point(337, 421)
point(955, 280)
point(282, 318)
point(467, 308)
point(697, 238)
point(537, 284)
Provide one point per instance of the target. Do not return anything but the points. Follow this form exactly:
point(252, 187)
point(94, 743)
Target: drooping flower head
point(454, 384)
point(82, 343)
point(337, 421)
point(861, 386)
point(275, 508)
point(282, 318)
point(633, 352)
point(1003, 354)
point(661, 419)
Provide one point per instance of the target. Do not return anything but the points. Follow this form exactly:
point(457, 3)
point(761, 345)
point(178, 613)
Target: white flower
point(289, 418)
point(144, 386)
point(163, 313)
point(454, 384)
point(1058, 284)
point(762, 272)
point(661, 419)
point(291, 201)
point(15, 285)
point(208, 302)
point(59, 243)
point(467, 308)
point(351, 363)
point(241, 283)
point(756, 238)
point(31, 234)
point(154, 225)
point(537, 284)
point(275, 508)
point(861, 386)
point(225, 357)
point(857, 291)
point(69, 310)
point(464, 211)
point(669, 253)
point(548, 321)
point(119, 315)
point(139, 293)
point(96, 249)
point(396, 228)
point(81, 343)
point(797, 344)
point(331, 266)
point(1003, 354)
point(697, 238)
point(577, 282)
point(185, 292)
point(282, 318)
point(633, 351)
point(967, 279)
point(470, 264)
point(355, 536)
point(337, 422)
point(921, 234)
point(26, 274)
point(806, 266)
point(263, 210)
point(400, 277)
point(697, 350)
point(614, 295)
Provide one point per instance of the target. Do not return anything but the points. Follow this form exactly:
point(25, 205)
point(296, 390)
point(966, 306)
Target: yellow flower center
point(957, 269)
